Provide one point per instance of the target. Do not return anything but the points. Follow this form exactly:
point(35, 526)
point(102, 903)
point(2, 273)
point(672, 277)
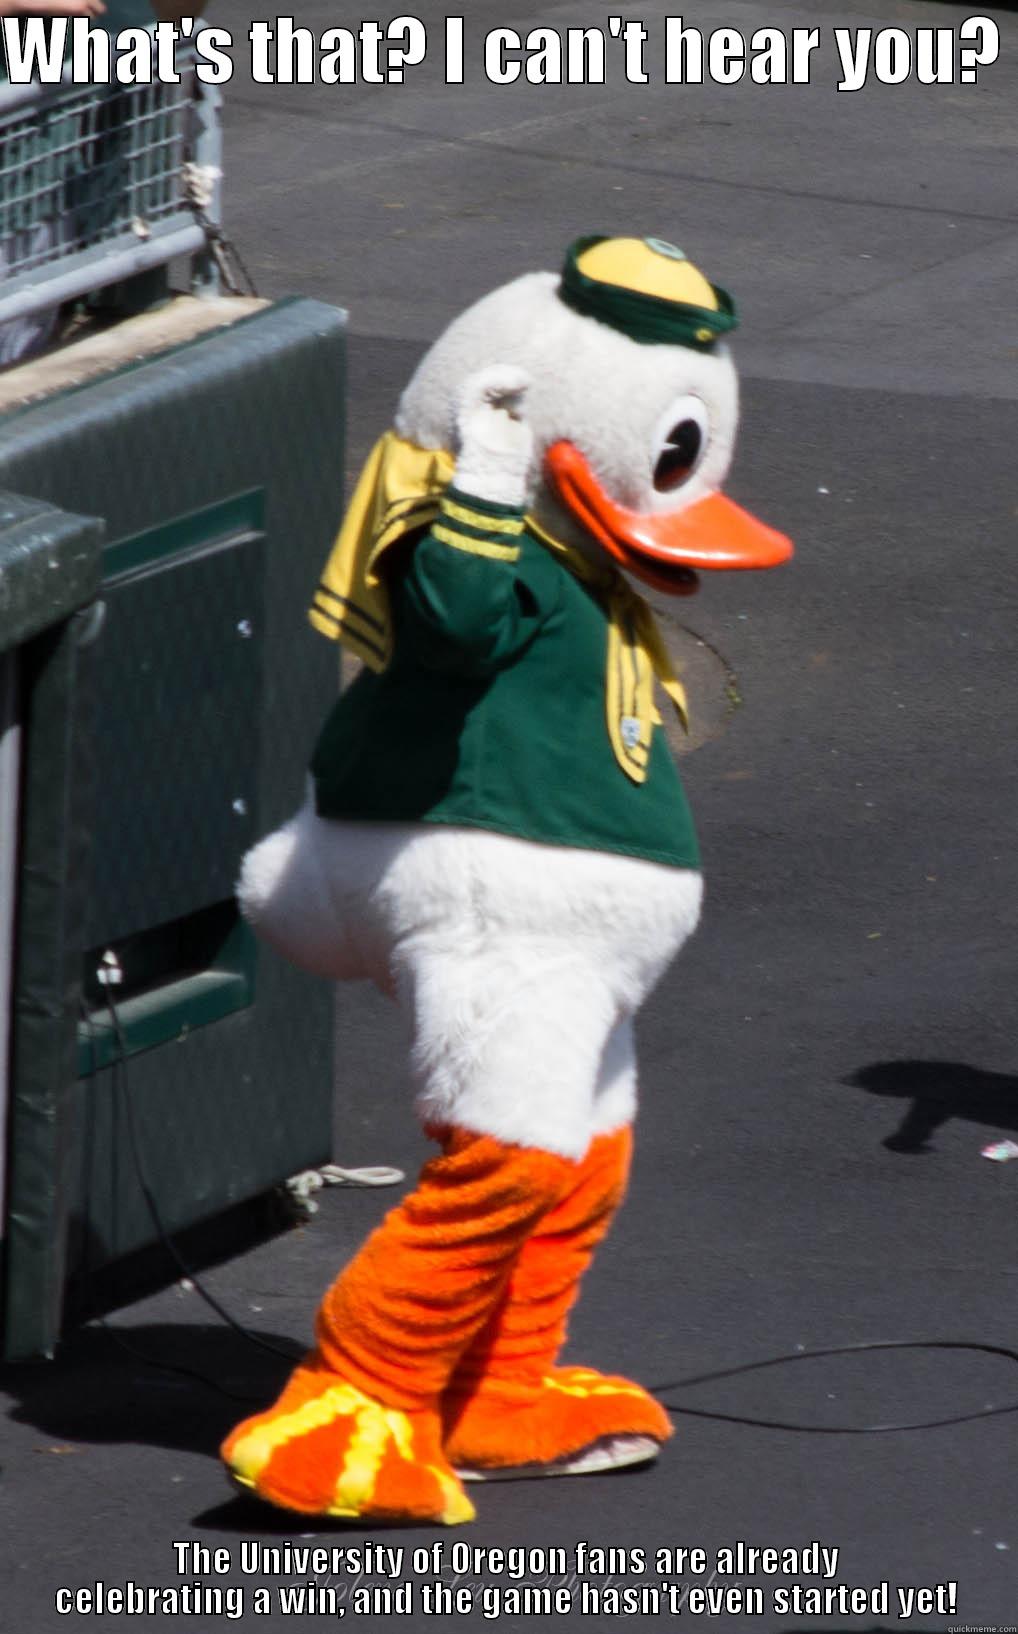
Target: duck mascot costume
point(497, 836)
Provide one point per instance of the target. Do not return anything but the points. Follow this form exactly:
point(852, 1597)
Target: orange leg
point(507, 1405)
point(357, 1431)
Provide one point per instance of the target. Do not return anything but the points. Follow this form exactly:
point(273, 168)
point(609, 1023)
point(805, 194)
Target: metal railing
point(100, 183)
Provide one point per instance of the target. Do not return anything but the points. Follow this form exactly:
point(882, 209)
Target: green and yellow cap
point(648, 290)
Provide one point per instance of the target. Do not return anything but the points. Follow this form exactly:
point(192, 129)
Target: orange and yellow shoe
point(327, 1449)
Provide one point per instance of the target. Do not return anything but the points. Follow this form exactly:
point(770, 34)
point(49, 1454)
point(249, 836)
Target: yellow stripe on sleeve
point(476, 547)
point(481, 519)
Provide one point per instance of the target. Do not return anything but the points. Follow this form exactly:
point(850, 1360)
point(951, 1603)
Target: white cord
point(379, 1175)
point(300, 1186)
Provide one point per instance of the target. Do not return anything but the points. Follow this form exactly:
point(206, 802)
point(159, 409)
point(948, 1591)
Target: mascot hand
point(496, 450)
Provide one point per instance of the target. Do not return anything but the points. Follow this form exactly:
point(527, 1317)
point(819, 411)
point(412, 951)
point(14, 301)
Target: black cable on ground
point(192, 1373)
point(146, 1191)
point(841, 1350)
point(119, 1066)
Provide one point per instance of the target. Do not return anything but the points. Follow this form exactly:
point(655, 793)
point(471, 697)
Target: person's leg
point(357, 1431)
point(507, 1404)
point(24, 338)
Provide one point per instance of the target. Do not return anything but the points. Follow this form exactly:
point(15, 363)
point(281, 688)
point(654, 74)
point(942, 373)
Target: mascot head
point(633, 401)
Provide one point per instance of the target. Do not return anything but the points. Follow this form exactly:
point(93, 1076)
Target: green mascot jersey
point(491, 711)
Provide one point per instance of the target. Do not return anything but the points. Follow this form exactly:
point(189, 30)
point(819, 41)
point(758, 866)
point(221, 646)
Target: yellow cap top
point(648, 266)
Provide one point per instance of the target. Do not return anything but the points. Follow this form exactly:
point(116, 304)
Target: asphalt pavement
point(821, 1070)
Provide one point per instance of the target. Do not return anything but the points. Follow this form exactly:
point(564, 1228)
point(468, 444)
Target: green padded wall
point(49, 571)
point(217, 470)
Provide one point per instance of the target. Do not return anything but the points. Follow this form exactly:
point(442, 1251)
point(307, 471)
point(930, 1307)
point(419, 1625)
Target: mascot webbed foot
point(326, 1448)
point(575, 1421)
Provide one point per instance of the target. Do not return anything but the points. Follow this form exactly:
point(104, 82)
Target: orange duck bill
point(666, 549)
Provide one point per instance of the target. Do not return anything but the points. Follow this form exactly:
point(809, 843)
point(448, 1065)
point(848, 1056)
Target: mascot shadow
point(162, 1384)
point(166, 1384)
point(936, 1092)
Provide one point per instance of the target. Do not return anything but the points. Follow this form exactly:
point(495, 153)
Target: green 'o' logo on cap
point(661, 247)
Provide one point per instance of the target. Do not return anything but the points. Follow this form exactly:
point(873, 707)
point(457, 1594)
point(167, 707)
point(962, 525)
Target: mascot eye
point(679, 455)
point(681, 445)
